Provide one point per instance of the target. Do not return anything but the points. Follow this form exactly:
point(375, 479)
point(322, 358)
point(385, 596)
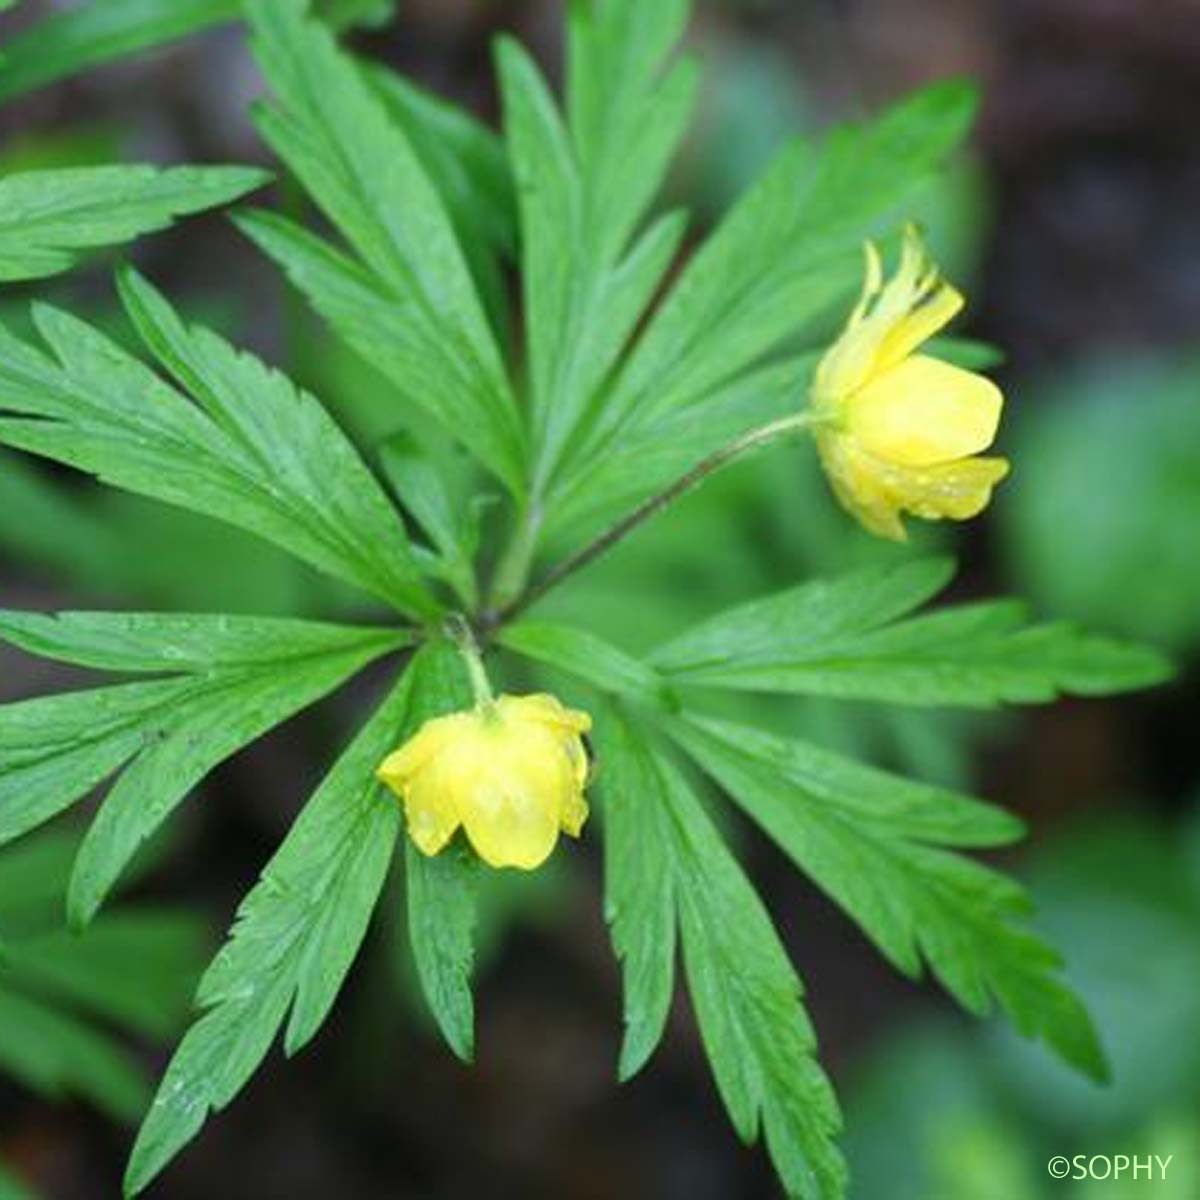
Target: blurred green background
point(1072, 227)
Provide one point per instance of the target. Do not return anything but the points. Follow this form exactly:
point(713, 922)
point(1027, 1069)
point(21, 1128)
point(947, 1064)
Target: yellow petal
point(529, 786)
point(924, 411)
point(578, 760)
point(958, 490)
point(403, 764)
point(574, 814)
point(430, 814)
point(860, 486)
point(511, 827)
point(918, 327)
point(845, 366)
point(544, 708)
point(914, 279)
point(872, 282)
point(877, 493)
point(888, 322)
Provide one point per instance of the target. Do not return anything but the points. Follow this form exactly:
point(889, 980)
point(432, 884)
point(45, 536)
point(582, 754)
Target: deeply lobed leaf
point(98, 31)
point(639, 894)
point(296, 935)
point(583, 187)
point(134, 966)
point(877, 846)
point(465, 161)
point(50, 218)
point(656, 450)
point(132, 969)
point(454, 529)
point(845, 638)
point(59, 1055)
point(185, 643)
point(164, 735)
point(745, 992)
point(330, 126)
point(253, 450)
point(785, 252)
point(589, 657)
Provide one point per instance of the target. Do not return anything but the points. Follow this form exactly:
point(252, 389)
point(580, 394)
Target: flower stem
point(458, 629)
point(762, 436)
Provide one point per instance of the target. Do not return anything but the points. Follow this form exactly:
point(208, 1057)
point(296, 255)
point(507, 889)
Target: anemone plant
point(639, 372)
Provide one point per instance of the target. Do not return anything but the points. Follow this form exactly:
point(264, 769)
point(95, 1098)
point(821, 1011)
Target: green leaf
point(329, 126)
point(56, 749)
point(33, 882)
point(253, 450)
point(171, 732)
point(877, 844)
point(788, 249)
point(326, 483)
point(92, 33)
point(746, 994)
point(454, 528)
point(442, 916)
point(295, 937)
point(583, 189)
point(816, 612)
point(581, 653)
point(183, 643)
point(79, 538)
point(466, 162)
point(134, 968)
point(205, 730)
point(370, 318)
point(639, 895)
point(344, 14)
point(843, 638)
point(653, 453)
point(88, 34)
point(48, 219)
point(442, 891)
point(59, 1056)
point(628, 105)
point(137, 968)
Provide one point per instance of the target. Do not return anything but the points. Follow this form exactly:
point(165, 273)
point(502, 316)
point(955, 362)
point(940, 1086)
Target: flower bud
point(511, 772)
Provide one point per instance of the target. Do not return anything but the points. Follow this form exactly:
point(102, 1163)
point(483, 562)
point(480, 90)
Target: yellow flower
point(511, 772)
point(899, 431)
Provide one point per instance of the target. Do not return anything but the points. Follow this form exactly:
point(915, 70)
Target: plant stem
point(762, 436)
point(459, 631)
point(512, 571)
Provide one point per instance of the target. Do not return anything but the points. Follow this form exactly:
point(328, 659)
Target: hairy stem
point(755, 439)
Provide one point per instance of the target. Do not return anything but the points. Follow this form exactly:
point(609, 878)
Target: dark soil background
point(1088, 145)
